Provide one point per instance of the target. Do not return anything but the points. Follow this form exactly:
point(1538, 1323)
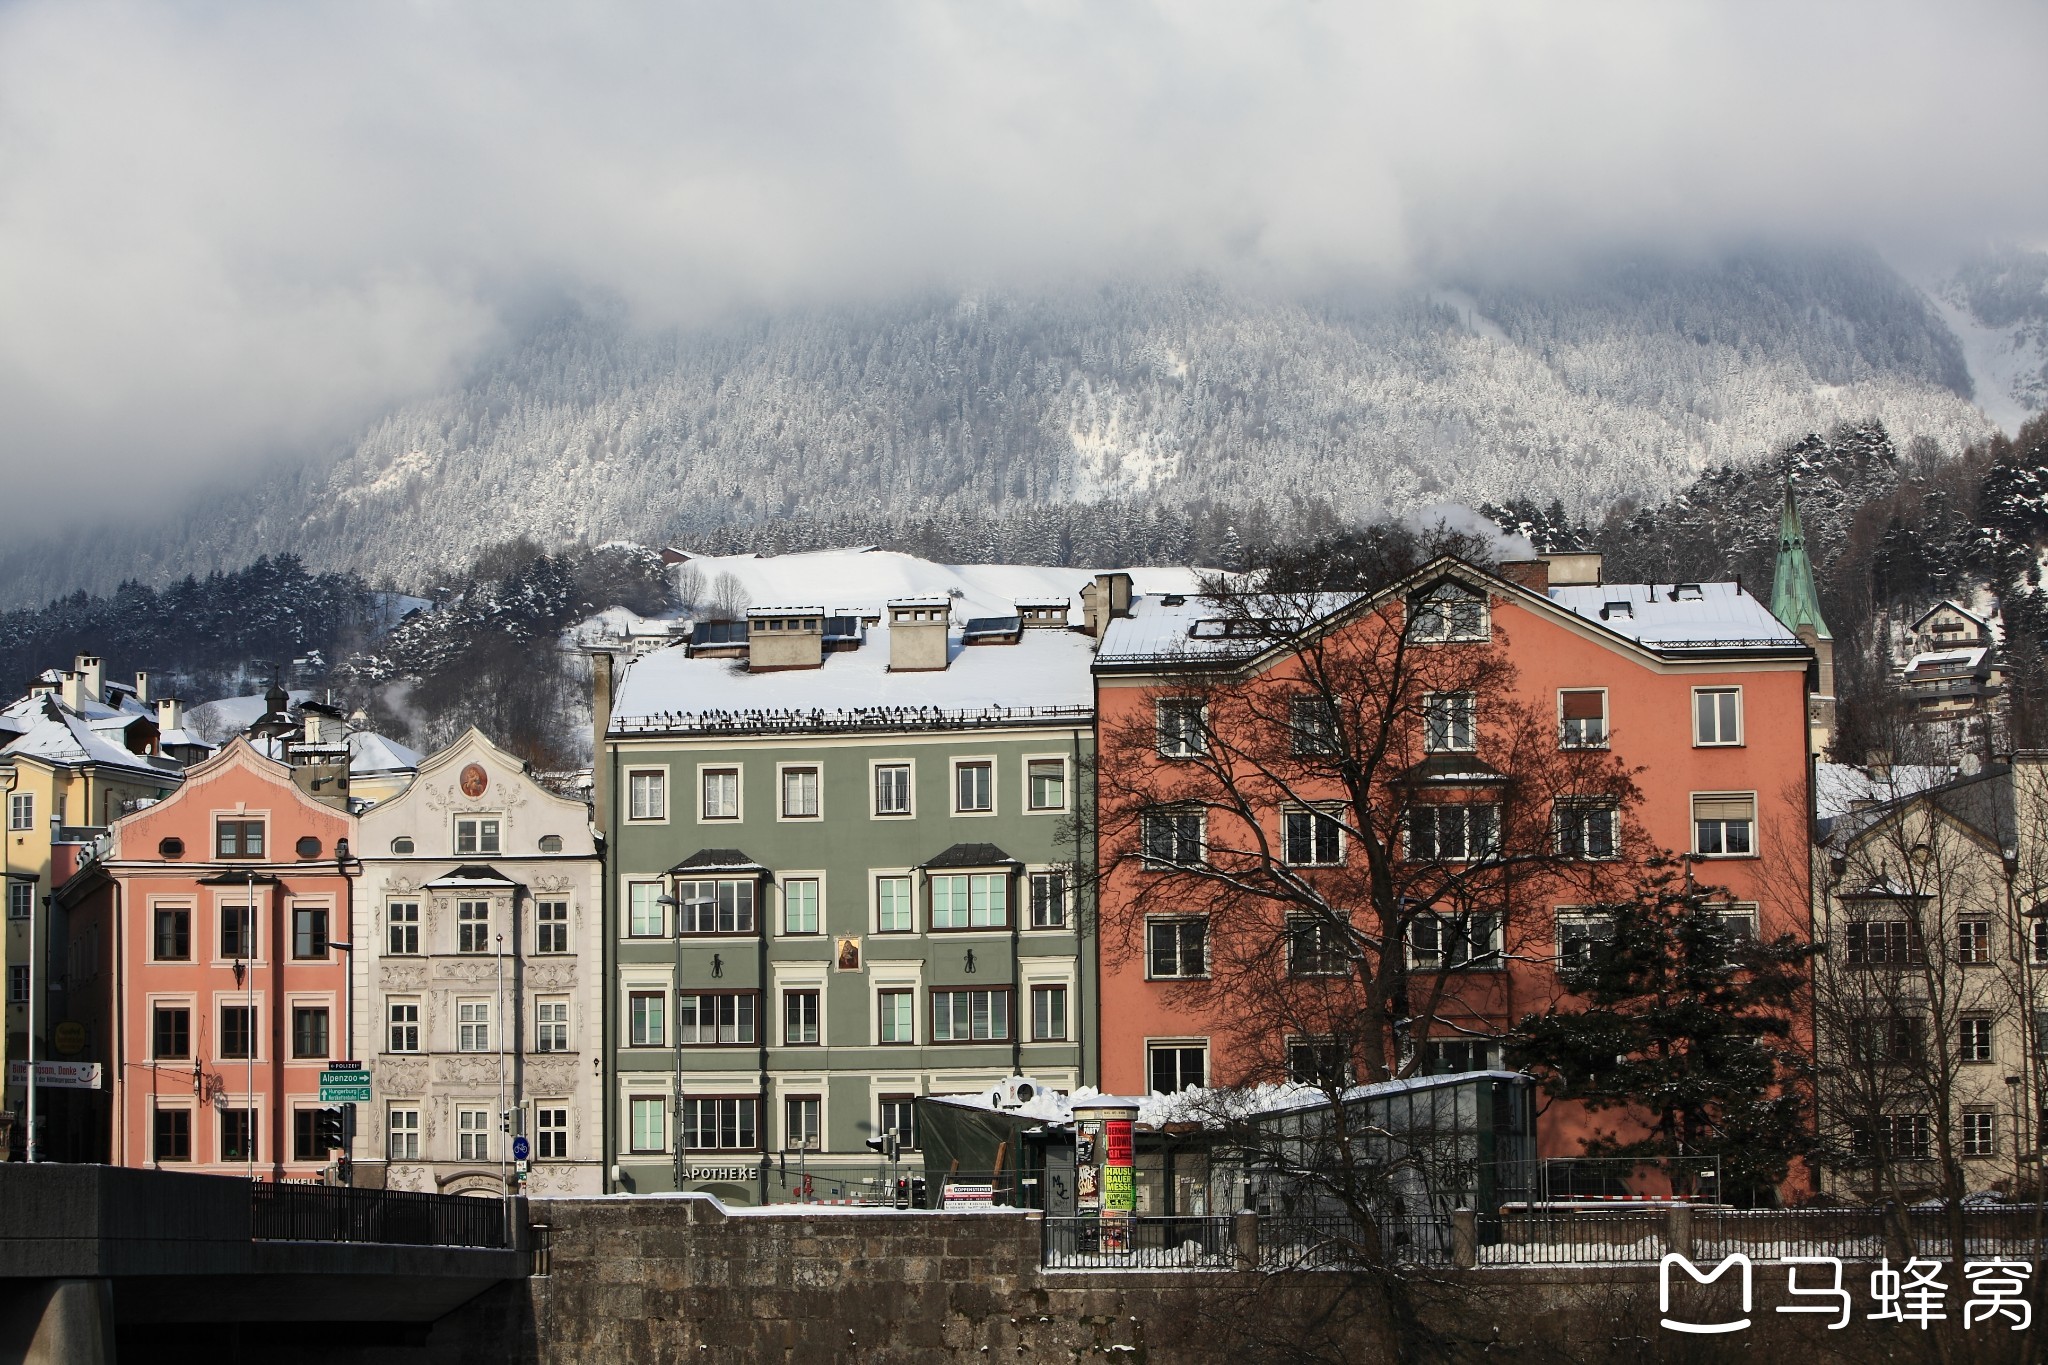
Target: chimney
point(785, 637)
point(1043, 613)
point(74, 691)
point(142, 686)
point(1533, 574)
point(170, 714)
point(94, 673)
point(600, 721)
point(1103, 599)
point(918, 630)
point(1572, 568)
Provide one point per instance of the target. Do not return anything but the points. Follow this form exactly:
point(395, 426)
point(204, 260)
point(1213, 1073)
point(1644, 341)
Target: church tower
point(1795, 602)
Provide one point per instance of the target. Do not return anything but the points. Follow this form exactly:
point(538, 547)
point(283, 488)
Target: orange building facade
point(219, 911)
point(1694, 692)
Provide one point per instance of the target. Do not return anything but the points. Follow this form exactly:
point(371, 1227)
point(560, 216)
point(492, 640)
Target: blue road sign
point(520, 1149)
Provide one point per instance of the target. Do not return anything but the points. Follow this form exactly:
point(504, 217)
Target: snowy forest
point(1043, 425)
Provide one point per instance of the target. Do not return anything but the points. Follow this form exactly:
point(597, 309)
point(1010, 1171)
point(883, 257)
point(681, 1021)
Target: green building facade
point(844, 865)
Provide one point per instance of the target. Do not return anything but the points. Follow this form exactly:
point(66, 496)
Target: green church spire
point(1793, 599)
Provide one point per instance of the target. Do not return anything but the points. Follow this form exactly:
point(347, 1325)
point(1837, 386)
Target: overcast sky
point(230, 230)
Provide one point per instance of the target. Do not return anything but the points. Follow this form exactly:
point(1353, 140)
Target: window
point(899, 1116)
point(238, 1135)
point(799, 793)
point(21, 810)
point(551, 843)
point(1737, 924)
point(1317, 1061)
point(1973, 940)
point(800, 906)
point(1887, 1039)
point(643, 910)
point(644, 1010)
point(403, 1129)
point(1906, 1137)
point(974, 788)
point(892, 789)
point(21, 901)
point(976, 1016)
point(1048, 900)
point(1582, 719)
point(1177, 949)
point(551, 926)
point(1980, 1132)
point(1172, 838)
point(306, 1142)
point(647, 795)
point(2041, 941)
point(1311, 838)
point(404, 1032)
point(725, 907)
point(1716, 715)
point(173, 932)
point(800, 1123)
point(1312, 726)
point(1586, 829)
point(713, 1020)
point(308, 846)
point(472, 926)
point(721, 793)
point(799, 1018)
point(238, 931)
point(1316, 948)
point(650, 1123)
point(172, 1136)
point(1885, 943)
point(402, 844)
point(17, 985)
point(309, 1031)
point(894, 912)
point(1048, 1014)
point(1179, 724)
point(309, 931)
point(1045, 782)
point(473, 1134)
point(1454, 942)
point(898, 1010)
point(237, 1031)
point(171, 1033)
point(1174, 1067)
point(472, 1026)
point(1454, 1056)
point(551, 1026)
point(551, 1124)
point(976, 900)
point(1581, 938)
point(238, 838)
point(404, 937)
point(477, 834)
point(1724, 826)
point(720, 1125)
point(1974, 1042)
point(1447, 722)
point(1448, 612)
point(1453, 834)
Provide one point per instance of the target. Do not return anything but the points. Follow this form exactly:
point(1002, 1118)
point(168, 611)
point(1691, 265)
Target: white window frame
point(1179, 948)
point(783, 882)
point(783, 772)
point(1066, 786)
point(21, 905)
point(1028, 912)
point(1183, 747)
point(1152, 1045)
point(1564, 741)
point(473, 1142)
point(1066, 999)
point(659, 1105)
point(662, 917)
point(1449, 634)
point(1692, 811)
point(21, 811)
point(411, 924)
point(953, 796)
point(409, 1131)
point(480, 819)
point(636, 813)
point(1450, 722)
point(739, 793)
point(551, 1140)
point(392, 1004)
point(1567, 812)
point(467, 1038)
point(993, 881)
point(1468, 855)
point(1486, 957)
point(878, 875)
point(1719, 741)
point(1314, 814)
point(552, 1035)
point(1201, 818)
point(909, 767)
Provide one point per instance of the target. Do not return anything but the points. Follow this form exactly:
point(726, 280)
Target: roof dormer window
point(1620, 609)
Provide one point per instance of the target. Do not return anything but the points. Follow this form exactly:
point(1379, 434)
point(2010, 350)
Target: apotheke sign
point(720, 1172)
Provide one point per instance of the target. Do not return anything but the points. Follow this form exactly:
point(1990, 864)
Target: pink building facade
point(219, 911)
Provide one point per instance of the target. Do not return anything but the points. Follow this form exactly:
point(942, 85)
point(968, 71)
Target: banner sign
point(57, 1075)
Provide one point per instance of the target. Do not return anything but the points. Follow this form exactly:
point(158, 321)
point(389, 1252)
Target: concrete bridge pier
point(57, 1322)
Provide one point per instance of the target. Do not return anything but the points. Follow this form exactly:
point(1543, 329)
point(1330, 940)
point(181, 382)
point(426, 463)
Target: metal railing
point(1573, 1237)
point(1333, 1243)
point(322, 1213)
point(1076, 1242)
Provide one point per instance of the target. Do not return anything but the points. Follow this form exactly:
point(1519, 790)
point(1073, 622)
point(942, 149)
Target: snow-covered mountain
point(1997, 305)
point(1626, 378)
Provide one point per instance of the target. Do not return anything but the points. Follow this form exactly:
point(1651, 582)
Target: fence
point(1535, 1237)
point(321, 1213)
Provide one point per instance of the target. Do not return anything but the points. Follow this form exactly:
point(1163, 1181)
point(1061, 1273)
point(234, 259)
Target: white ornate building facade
point(478, 949)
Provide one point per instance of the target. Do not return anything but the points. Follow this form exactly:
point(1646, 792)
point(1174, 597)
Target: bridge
point(98, 1257)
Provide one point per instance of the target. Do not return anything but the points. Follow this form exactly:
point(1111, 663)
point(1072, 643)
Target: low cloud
point(230, 232)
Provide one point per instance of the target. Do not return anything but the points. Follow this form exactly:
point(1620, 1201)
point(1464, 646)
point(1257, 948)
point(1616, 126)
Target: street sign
point(57, 1075)
point(521, 1149)
point(345, 1066)
point(345, 1087)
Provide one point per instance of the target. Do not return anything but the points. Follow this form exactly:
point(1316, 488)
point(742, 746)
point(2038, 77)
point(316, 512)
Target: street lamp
point(695, 903)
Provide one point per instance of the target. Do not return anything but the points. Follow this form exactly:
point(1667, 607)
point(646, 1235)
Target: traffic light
point(330, 1126)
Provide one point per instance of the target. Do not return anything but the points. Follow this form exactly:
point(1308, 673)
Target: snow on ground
point(2005, 367)
point(215, 721)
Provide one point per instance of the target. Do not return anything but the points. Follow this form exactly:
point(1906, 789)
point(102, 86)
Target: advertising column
point(1104, 1176)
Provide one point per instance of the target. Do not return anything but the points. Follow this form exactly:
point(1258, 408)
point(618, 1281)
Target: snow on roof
point(1839, 788)
point(1210, 1108)
point(785, 611)
point(1185, 625)
point(370, 752)
point(1947, 658)
point(227, 717)
point(1043, 677)
point(1688, 615)
point(57, 734)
